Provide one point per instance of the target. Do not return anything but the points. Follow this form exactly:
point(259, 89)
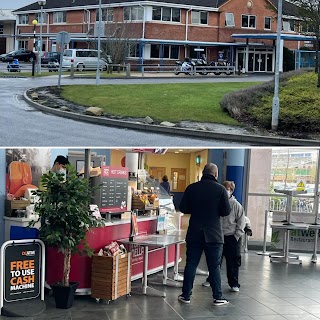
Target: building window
point(169, 52)
point(1, 28)
point(133, 14)
point(23, 18)
point(286, 26)
point(267, 23)
point(229, 20)
point(248, 21)
point(133, 50)
point(59, 17)
point(23, 44)
point(44, 17)
point(166, 14)
point(107, 15)
point(199, 17)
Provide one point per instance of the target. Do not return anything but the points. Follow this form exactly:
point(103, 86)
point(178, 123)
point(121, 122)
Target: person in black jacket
point(206, 201)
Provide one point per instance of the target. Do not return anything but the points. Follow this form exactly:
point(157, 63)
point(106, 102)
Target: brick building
point(161, 32)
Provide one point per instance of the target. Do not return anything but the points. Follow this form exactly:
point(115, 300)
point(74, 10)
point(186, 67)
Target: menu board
point(114, 189)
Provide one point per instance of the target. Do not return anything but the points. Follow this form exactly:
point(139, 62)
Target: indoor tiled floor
point(270, 291)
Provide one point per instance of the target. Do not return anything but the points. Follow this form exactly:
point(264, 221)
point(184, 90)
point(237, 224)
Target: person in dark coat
point(206, 201)
point(165, 184)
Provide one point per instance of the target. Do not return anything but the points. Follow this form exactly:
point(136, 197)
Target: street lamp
point(275, 101)
point(34, 22)
point(99, 46)
point(41, 3)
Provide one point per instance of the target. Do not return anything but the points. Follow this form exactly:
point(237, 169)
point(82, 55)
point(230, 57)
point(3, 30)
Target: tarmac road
point(23, 126)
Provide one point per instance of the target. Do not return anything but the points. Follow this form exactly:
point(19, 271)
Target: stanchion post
point(264, 250)
point(34, 22)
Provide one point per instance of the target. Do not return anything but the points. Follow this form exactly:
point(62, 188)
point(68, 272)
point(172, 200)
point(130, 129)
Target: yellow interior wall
point(196, 171)
point(116, 156)
point(170, 160)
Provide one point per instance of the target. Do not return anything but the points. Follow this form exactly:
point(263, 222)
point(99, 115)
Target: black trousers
point(232, 255)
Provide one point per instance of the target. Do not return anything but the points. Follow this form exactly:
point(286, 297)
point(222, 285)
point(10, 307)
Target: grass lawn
point(162, 102)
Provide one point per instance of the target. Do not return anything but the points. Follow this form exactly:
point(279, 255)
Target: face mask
point(229, 193)
point(62, 171)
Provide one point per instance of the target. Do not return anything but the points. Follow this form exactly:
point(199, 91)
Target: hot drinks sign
point(114, 189)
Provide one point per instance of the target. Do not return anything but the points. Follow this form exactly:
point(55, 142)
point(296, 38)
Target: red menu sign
point(114, 189)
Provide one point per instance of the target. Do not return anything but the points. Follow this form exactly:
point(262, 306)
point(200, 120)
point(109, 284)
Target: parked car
point(21, 55)
point(82, 59)
point(50, 57)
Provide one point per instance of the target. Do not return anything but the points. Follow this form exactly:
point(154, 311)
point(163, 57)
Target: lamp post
point(99, 46)
point(34, 22)
point(41, 3)
point(276, 102)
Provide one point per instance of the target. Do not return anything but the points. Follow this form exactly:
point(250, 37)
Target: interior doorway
point(178, 177)
point(157, 172)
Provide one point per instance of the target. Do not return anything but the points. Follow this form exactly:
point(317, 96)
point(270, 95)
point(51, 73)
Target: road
point(25, 126)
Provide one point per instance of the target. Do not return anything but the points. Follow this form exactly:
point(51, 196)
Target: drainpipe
point(88, 18)
point(187, 25)
point(144, 21)
point(187, 22)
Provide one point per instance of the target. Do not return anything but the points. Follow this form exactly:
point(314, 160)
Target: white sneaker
point(206, 284)
point(235, 289)
point(220, 302)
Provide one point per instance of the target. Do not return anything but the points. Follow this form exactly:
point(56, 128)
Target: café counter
point(97, 238)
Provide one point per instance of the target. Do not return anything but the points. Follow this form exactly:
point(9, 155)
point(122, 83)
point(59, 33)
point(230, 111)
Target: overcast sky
point(14, 4)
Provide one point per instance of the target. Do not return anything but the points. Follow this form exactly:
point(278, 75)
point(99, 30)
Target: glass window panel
point(174, 52)
point(166, 14)
point(244, 22)
point(175, 15)
point(155, 51)
point(195, 17)
point(1, 28)
point(267, 23)
point(229, 19)
point(126, 14)
point(166, 52)
point(156, 14)
point(203, 17)
point(252, 22)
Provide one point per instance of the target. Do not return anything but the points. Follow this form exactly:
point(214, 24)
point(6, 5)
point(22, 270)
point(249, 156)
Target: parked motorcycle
point(219, 63)
point(202, 63)
point(185, 67)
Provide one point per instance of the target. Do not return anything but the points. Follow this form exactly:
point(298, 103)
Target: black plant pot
point(64, 296)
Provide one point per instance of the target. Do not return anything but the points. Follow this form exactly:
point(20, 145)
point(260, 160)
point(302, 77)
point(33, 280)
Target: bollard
point(128, 70)
point(72, 71)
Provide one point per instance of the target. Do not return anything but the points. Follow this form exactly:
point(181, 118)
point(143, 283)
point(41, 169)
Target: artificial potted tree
point(63, 209)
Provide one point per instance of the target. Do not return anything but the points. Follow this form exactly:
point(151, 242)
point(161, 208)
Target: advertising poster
point(22, 272)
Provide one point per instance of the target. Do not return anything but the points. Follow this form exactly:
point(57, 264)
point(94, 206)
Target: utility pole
point(276, 102)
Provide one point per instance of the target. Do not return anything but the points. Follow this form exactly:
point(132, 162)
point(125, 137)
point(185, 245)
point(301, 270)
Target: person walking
point(233, 228)
point(165, 184)
point(206, 201)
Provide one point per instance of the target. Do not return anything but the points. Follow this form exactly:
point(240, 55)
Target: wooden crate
point(110, 276)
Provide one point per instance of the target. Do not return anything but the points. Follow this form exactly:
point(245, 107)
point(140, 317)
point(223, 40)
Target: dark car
point(21, 55)
point(50, 57)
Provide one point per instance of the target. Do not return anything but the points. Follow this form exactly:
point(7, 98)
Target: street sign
point(63, 37)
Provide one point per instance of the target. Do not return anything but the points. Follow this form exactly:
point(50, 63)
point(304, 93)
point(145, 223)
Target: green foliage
point(64, 208)
point(288, 60)
point(299, 103)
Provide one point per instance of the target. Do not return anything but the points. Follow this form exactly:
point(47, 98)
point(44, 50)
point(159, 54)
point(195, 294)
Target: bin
point(111, 276)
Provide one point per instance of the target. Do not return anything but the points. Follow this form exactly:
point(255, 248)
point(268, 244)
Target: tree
point(63, 209)
point(309, 13)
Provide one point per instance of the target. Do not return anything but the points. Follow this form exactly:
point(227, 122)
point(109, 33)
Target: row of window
point(136, 13)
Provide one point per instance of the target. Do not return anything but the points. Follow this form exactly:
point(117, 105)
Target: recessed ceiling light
point(180, 150)
point(176, 152)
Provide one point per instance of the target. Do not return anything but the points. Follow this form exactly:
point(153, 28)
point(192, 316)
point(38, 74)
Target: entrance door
point(260, 62)
point(157, 172)
point(178, 177)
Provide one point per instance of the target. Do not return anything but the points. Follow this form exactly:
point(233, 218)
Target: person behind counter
point(59, 164)
point(165, 184)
